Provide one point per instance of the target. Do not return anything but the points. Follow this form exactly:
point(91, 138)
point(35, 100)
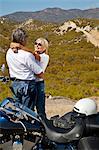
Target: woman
point(42, 59)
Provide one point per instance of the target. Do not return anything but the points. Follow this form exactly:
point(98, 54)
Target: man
point(22, 70)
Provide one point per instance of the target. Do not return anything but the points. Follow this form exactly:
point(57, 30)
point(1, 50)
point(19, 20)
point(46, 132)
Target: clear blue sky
point(10, 6)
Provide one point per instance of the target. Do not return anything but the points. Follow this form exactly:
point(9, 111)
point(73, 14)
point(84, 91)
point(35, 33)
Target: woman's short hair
point(19, 36)
point(44, 43)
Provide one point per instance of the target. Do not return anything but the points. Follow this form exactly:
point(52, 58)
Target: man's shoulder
point(9, 51)
point(28, 54)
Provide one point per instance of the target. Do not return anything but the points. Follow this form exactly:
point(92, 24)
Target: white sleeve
point(44, 61)
point(31, 64)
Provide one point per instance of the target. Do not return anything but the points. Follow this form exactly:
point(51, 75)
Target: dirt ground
point(60, 105)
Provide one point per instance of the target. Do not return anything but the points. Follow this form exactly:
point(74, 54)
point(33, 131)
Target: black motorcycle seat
point(92, 124)
point(61, 135)
point(89, 143)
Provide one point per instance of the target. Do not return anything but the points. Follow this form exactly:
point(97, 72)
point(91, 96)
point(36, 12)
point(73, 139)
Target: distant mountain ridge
point(56, 15)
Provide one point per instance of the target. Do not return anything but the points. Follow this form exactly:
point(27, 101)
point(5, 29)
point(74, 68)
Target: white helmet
point(86, 106)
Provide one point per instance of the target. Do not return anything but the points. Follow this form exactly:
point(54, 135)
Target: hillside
point(55, 15)
point(72, 72)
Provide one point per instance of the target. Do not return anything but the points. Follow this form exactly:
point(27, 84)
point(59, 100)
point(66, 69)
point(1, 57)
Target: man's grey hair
point(19, 36)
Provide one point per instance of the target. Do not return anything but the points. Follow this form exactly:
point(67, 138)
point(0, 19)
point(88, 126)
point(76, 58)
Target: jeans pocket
point(20, 88)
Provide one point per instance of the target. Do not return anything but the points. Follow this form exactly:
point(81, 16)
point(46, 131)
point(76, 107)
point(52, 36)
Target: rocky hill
point(91, 34)
point(56, 15)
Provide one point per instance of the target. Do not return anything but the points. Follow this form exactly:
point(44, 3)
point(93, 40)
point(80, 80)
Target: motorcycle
point(75, 130)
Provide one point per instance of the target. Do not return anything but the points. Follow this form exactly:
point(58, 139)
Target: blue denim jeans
point(24, 92)
point(40, 98)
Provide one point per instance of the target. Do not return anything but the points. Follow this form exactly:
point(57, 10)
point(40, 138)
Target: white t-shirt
point(44, 59)
point(22, 65)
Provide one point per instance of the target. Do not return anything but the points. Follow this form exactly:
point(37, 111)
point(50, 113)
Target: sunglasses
point(39, 44)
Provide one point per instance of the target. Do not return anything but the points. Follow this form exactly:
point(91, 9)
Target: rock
point(59, 105)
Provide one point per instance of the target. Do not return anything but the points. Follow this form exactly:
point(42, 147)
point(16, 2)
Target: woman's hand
point(15, 45)
point(37, 56)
